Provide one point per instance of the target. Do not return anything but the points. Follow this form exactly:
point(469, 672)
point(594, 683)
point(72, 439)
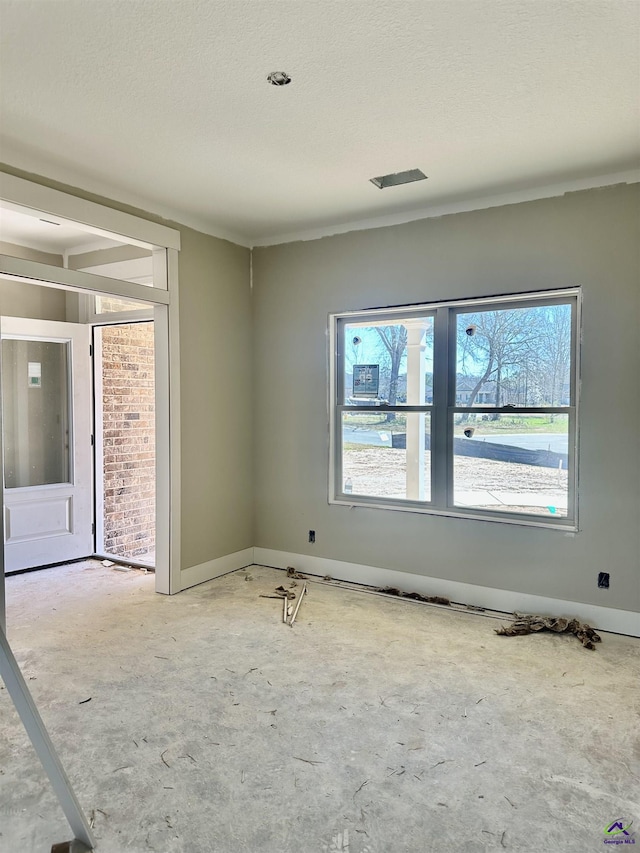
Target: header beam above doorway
point(94, 217)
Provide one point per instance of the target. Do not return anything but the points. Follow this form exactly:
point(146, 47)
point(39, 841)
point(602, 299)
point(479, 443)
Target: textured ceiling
point(166, 105)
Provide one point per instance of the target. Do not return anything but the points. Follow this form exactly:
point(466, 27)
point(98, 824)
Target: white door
point(46, 409)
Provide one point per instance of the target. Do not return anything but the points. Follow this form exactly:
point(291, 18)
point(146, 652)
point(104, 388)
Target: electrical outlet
point(312, 536)
point(603, 580)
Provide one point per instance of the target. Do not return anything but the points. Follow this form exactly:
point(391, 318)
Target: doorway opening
point(69, 261)
point(125, 457)
point(79, 466)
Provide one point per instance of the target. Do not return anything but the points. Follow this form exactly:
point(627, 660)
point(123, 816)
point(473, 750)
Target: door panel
point(46, 408)
point(27, 518)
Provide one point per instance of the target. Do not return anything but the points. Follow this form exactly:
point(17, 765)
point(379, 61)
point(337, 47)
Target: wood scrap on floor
point(531, 624)
point(288, 596)
point(416, 596)
point(295, 612)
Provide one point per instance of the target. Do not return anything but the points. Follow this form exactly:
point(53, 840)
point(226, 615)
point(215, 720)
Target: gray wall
point(30, 300)
point(590, 239)
point(215, 407)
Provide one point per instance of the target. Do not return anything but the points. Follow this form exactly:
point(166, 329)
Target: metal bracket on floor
point(32, 721)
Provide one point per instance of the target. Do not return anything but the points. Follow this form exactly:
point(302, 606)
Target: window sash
point(339, 451)
point(508, 304)
point(366, 319)
point(569, 411)
point(350, 498)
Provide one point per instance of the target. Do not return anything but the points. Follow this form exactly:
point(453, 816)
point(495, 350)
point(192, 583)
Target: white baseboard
point(214, 568)
point(602, 618)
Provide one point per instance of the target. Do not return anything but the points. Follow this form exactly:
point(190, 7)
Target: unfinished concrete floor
point(371, 726)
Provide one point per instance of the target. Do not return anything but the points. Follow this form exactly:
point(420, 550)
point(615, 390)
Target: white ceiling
point(166, 105)
point(48, 233)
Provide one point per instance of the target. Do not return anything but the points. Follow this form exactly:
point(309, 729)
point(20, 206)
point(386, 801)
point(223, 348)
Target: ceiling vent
point(398, 178)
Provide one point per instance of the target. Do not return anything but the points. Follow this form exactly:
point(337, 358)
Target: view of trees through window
point(514, 357)
point(505, 454)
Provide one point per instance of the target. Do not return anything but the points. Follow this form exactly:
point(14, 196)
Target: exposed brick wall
point(109, 304)
point(128, 411)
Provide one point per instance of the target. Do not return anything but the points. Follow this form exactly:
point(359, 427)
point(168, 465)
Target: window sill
point(564, 525)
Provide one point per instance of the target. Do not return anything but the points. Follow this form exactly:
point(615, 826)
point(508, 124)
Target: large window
point(459, 408)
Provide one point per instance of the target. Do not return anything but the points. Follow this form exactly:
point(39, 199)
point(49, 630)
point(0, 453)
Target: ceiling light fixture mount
point(279, 78)
point(397, 178)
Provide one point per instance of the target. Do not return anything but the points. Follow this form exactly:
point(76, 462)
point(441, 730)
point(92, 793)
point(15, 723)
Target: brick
point(128, 438)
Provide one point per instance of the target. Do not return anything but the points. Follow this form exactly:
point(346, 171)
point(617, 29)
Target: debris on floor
point(92, 817)
point(281, 592)
point(288, 596)
point(307, 760)
point(125, 567)
point(293, 573)
point(416, 596)
point(530, 624)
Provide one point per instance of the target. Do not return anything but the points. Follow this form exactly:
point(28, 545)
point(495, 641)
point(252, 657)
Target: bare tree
point(501, 343)
point(555, 354)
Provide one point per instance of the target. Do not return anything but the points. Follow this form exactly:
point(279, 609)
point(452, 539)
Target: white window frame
point(127, 271)
point(164, 243)
point(443, 409)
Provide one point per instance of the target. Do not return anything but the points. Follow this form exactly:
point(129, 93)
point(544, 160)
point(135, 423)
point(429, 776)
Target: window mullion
point(440, 439)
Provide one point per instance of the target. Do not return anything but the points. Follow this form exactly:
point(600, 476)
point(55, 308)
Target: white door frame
point(165, 243)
